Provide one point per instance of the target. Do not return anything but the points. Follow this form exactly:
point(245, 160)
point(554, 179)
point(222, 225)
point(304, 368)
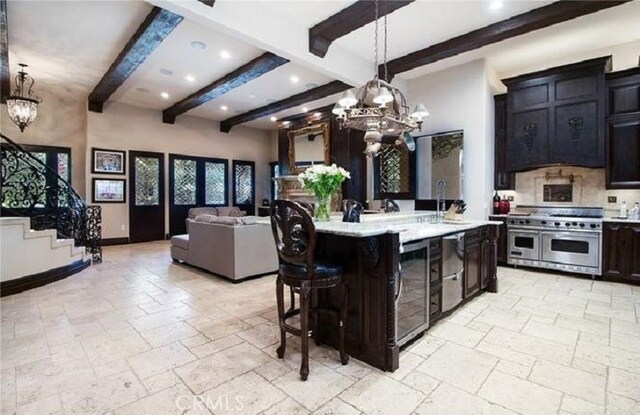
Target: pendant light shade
point(347, 99)
point(420, 112)
point(383, 96)
point(338, 109)
point(22, 106)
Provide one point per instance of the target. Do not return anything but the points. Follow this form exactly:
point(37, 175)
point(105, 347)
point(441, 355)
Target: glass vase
point(322, 208)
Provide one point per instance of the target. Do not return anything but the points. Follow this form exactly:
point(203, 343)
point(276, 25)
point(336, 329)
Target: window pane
point(147, 184)
point(214, 187)
point(184, 175)
point(243, 176)
point(63, 166)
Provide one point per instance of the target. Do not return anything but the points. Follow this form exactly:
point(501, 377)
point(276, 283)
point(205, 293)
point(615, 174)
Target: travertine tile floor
point(141, 335)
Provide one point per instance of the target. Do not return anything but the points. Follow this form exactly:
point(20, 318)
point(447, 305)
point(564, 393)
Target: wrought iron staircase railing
point(31, 189)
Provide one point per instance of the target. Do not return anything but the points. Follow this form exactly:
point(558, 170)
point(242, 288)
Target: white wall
point(124, 127)
point(461, 98)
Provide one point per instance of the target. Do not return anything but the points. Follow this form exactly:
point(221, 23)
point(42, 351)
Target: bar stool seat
point(295, 237)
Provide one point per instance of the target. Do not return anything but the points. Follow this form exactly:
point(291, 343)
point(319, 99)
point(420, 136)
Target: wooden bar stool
point(295, 237)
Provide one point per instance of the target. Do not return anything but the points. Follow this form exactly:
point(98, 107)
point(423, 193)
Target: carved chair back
point(294, 233)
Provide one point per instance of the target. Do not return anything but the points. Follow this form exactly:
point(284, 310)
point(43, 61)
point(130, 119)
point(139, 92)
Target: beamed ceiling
point(243, 62)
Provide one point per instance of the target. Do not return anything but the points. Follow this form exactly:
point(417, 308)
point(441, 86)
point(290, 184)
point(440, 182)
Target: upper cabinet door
point(557, 116)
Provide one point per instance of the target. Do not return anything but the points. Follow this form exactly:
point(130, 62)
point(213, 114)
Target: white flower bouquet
point(323, 181)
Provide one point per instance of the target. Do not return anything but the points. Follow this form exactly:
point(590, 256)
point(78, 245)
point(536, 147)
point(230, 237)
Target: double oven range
point(560, 238)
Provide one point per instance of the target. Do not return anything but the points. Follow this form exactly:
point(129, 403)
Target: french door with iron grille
point(146, 195)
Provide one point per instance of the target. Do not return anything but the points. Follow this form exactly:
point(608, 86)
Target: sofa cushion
point(193, 212)
point(207, 218)
point(181, 241)
point(248, 220)
point(230, 211)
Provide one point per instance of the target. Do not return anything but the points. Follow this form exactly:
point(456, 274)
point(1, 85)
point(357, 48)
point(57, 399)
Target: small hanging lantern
point(22, 106)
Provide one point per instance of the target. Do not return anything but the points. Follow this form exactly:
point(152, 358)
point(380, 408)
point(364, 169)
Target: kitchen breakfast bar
point(404, 272)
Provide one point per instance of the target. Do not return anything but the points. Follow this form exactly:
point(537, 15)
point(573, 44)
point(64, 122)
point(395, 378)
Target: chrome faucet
point(440, 203)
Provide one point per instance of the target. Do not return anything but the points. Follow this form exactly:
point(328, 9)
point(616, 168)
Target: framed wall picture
point(108, 161)
point(109, 190)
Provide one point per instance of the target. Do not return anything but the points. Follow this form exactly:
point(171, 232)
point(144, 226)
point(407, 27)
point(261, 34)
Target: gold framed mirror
point(307, 146)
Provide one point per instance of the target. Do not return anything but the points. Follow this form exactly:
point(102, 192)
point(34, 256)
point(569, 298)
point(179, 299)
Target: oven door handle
point(399, 284)
point(572, 234)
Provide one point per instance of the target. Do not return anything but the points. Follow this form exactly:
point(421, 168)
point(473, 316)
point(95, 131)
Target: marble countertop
point(411, 225)
point(628, 220)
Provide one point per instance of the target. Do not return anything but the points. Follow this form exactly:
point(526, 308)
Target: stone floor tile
point(619, 405)
point(507, 319)
point(620, 326)
point(459, 366)
point(103, 395)
point(111, 368)
point(222, 327)
point(589, 366)
point(8, 389)
point(371, 395)
point(261, 336)
point(163, 318)
point(336, 406)
point(514, 369)
point(325, 382)
point(119, 344)
point(49, 405)
point(528, 291)
point(458, 334)
point(356, 369)
point(177, 400)
point(247, 394)
point(161, 336)
point(425, 346)
point(608, 356)
point(286, 407)
point(624, 383)
point(447, 400)
point(626, 315)
point(160, 382)
point(569, 380)
point(523, 397)
point(159, 360)
point(505, 353)
point(578, 406)
point(23, 350)
point(583, 325)
point(213, 370)
point(548, 308)
point(625, 341)
point(550, 332)
point(274, 368)
point(534, 346)
point(193, 341)
point(216, 345)
point(421, 382)
point(408, 363)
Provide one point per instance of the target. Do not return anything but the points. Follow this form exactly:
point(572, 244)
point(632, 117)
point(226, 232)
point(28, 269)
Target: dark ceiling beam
point(558, 12)
point(208, 2)
point(153, 30)
point(5, 77)
point(248, 72)
point(346, 21)
point(313, 94)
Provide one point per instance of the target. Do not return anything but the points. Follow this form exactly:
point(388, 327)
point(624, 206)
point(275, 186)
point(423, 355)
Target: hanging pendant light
point(22, 106)
point(379, 108)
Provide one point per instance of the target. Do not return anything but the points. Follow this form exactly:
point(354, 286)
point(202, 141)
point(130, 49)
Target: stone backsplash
point(588, 188)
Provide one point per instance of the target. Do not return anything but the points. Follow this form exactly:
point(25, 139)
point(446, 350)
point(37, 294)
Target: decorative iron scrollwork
point(575, 127)
point(530, 134)
point(31, 189)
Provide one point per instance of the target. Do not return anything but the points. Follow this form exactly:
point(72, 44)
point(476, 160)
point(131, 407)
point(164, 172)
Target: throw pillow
point(207, 218)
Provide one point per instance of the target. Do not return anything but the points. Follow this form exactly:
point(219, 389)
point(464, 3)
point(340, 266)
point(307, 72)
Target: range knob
point(544, 222)
point(512, 221)
point(567, 224)
point(582, 225)
point(593, 226)
point(527, 221)
point(557, 223)
point(575, 224)
point(521, 222)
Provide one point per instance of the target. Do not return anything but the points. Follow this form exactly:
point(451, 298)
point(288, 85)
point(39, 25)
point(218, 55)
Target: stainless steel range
point(560, 238)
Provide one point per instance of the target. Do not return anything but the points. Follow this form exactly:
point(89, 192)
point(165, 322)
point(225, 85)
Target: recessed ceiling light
point(225, 54)
point(164, 95)
point(143, 90)
point(311, 85)
point(496, 5)
point(190, 78)
point(196, 44)
point(273, 119)
point(166, 71)
point(294, 79)
point(305, 109)
point(269, 100)
point(224, 107)
point(252, 96)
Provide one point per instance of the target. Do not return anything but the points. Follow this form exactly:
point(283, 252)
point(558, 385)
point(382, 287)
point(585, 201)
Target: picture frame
point(109, 190)
point(104, 161)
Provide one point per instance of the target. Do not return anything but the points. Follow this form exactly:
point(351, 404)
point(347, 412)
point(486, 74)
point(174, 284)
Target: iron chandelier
point(22, 106)
point(379, 108)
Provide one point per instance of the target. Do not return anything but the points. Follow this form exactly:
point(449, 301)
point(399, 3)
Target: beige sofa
point(233, 247)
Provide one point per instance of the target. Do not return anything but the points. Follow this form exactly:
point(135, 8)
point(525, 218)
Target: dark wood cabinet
point(502, 179)
point(621, 251)
point(472, 268)
point(557, 116)
point(623, 130)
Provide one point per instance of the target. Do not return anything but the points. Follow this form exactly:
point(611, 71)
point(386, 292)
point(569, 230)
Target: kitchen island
point(393, 266)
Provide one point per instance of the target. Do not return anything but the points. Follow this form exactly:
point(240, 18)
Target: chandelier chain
point(375, 39)
point(386, 78)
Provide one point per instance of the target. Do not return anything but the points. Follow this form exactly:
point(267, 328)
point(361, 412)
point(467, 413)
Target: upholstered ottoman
point(180, 247)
